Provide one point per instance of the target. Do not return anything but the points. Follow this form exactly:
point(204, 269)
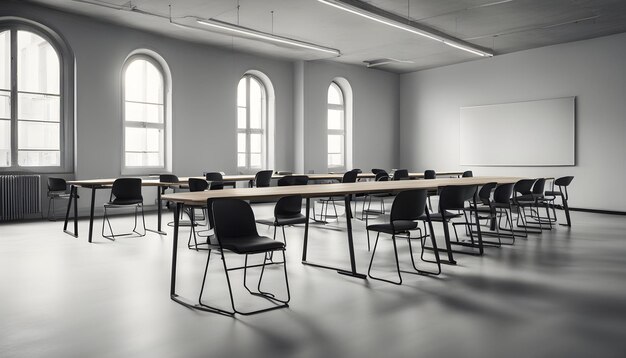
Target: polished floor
point(559, 294)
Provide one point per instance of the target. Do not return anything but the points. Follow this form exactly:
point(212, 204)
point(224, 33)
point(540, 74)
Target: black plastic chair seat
point(58, 194)
point(125, 202)
point(438, 217)
point(293, 220)
point(252, 244)
point(398, 225)
point(553, 193)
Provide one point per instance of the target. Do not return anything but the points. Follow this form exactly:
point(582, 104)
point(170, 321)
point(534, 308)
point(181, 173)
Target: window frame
point(342, 132)
point(248, 131)
point(66, 95)
point(165, 125)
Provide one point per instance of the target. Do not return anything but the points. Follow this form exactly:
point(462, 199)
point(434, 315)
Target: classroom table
point(95, 184)
point(322, 176)
point(315, 191)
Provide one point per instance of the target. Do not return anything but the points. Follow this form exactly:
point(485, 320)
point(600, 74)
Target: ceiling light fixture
point(247, 32)
point(381, 16)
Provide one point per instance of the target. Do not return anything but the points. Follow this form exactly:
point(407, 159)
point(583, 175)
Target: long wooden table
point(309, 192)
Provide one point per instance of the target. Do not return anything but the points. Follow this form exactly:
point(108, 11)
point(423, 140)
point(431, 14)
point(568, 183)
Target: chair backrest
point(382, 176)
point(564, 181)
point(401, 174)
point(357, 170)
point(57, 184)
point(293, 180)
point(216, 179)
point(539, 186)
point(168, 178)
point(288, 206)
point(350, 177)
point(376, 171)
point(262, 179)
point(127, 189)
point(430, 174)
point(197, 184)
point(408, 205)
point(232, 218)
point(453, 197)
point(467, 174)
point(484, 194)
point(524, 186)
point(502, 194)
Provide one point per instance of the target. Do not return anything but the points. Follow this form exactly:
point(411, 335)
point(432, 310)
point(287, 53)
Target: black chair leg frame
point(395, 250)
point(260, 293)
point(496, 229)
point(112, 237)
point(324, 211)
point(193, 233)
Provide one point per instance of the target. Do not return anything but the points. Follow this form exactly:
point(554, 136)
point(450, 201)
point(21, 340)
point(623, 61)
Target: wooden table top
point(324, 190)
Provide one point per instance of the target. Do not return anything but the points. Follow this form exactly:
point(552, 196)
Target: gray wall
point(593, 70)
point(204, 80)
point(375, 123)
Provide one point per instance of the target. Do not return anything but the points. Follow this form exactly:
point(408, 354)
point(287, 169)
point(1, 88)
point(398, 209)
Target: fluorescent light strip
point(404, 27)
point(265, 36)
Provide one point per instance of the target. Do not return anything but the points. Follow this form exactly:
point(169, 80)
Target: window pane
point(38, 135)
point(143, 139)
point(37, 64)
point(143, 160)
point(256, 104)
point(139, 112)
point(5, 104)
point(255, 160)
point(335, 160)
point(143, 82)
point(335, 144)
point(334, 94)
point(5, 60)
point(241, 160)
point(241, 93)
point(5, 143)
point(256, 143)
point(39, 158)
point(39, 107)
point(241, 117)
point(241, 142)
point(335, 119)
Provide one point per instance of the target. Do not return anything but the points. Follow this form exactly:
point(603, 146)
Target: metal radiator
point(19, 195)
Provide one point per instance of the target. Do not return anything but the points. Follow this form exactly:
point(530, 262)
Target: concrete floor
point(559, 294)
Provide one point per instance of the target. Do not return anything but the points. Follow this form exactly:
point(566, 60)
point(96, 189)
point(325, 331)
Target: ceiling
point(501, 26)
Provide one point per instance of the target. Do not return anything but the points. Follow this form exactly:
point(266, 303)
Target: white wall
point(204, 80)
point(593, 70)
point(375, 116)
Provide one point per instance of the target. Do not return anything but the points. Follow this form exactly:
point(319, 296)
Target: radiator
point(19, 195)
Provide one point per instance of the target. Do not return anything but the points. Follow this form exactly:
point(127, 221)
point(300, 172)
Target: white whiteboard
point(533, 133)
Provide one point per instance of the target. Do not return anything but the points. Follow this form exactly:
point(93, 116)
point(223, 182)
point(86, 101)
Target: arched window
point(252, 124)
point(144, 114)
point(336, 127)
point(34, 113)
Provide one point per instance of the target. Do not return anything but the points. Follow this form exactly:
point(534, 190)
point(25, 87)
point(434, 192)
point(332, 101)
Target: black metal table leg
point(93, 203)
point(306, 229)
point(73, 197)
point(159, 213)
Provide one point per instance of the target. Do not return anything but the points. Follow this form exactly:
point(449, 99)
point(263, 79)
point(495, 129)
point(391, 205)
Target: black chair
point(376, 171)
point(348, 177)
point(487, 211)
point(428, 175)
point(235, 231)
point(467, 174)
point(57, 189)
point(168, 178)
point(550, 196)
point(400, 174)
point(528, 194)
point(262, 179)
point(126, 192)
point(293, 180)
point(215, 179)
point(452, 204)
point(287, 211)
point(196, 184)
point(408, 206)
point(381, 176)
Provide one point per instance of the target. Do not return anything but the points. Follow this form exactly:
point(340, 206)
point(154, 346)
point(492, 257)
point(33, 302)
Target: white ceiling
point(502, 27)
